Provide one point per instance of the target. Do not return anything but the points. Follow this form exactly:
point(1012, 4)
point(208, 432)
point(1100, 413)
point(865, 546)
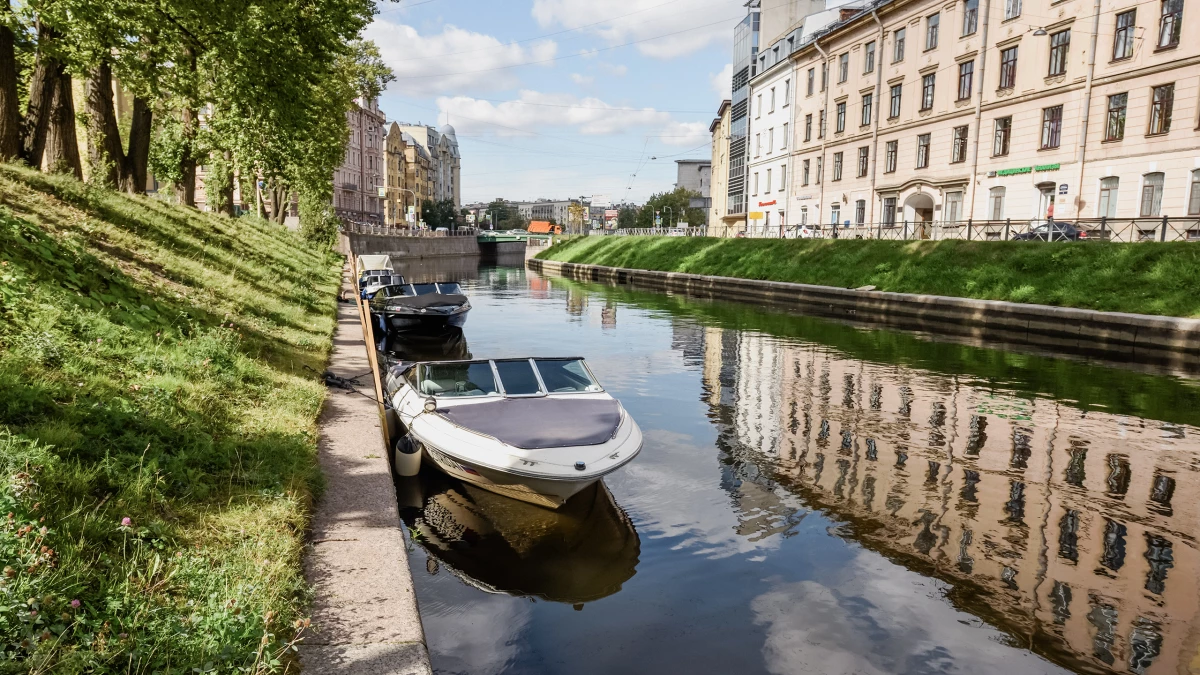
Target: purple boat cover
point(537, 423)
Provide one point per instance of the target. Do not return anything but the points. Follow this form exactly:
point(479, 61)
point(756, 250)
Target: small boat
point(401, 307)
point(375, 272)
point(534, 429)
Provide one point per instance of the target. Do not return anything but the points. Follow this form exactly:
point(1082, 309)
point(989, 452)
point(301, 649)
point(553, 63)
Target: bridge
point(361, 239)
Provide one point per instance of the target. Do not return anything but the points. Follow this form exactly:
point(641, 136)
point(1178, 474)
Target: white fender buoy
point(407, 457)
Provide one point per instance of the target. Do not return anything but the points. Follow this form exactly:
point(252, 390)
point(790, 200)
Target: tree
point(627, 217)
point(672, 207)
point(505, 216)
point(439, 214)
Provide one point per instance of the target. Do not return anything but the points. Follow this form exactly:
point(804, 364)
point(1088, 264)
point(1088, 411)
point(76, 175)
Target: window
point(837, 166)
point(807, 128)
point(803, 215)
point(1012, 9)
point(996, 202)
point(1170, 23)
point(889, 212)
point(1008, 68)
point(820, 168)
point(841, 118)
point(1051, 126)
point(1161, 101)
point(812, 76)
point(821, 127)
point(932, 22)
point(804, 173)
point(864, 156)
point(787, 92)
point(1123, 38)
point(958, 153)
point(1108, 197)
point(835, 213)
point(843, 67)
point(772, 99)
point(824, 76)
point(923, 151)
point(1115, 129)
point(1194, 195)
point(783, 142)
point(927, 84)
point(1152, 189)
point(869, 57)
point(768, 190)
point(1003, 134)
point(966, 72)
point(770, 140)
point(757, 144)
point(783, 176)
point(952, 212)
point(970, 17)
point(889, 156)
point(755, 182)
point(758, 107)
point(894, 108)
point(898, 46)
point(1059, 44)
point(866, 109)
point(860, 212)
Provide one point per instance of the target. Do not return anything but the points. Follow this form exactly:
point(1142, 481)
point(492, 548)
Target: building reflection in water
point(1061, 527)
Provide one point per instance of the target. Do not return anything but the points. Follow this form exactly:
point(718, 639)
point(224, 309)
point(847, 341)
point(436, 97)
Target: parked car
point(1052, 231)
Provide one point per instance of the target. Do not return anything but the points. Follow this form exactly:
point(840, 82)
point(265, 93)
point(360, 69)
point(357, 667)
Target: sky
point(561, 98)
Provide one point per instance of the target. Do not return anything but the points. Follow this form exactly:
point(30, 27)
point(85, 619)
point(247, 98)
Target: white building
point(771, 97)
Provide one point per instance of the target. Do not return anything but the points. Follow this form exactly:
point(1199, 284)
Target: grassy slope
point(152, 368)
point(1145, 278)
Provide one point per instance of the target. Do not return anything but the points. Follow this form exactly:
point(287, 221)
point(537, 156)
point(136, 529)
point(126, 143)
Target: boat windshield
point(449, 288)
point(458, 379)
point(424, 289)
point(565, 375)
point(518, 378)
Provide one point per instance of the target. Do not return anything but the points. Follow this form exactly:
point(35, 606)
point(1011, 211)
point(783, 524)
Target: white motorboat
point(374, 273)
point(537, 429)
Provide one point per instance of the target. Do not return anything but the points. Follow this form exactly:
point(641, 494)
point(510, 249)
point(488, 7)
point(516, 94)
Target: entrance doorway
point(918, 210)
point(1045, 201)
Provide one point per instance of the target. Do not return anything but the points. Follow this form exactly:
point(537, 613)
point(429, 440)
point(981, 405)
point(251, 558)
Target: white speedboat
point(537, 429)
point(374, 273)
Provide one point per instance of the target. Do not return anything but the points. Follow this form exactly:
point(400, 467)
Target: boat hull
point(396, 321)
point(550, 493)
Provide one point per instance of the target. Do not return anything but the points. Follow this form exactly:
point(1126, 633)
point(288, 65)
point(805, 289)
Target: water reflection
point(581, 552)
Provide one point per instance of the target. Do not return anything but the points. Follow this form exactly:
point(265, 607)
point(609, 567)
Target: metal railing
point(367, 228)
point(700, 231)
point(1126, 230)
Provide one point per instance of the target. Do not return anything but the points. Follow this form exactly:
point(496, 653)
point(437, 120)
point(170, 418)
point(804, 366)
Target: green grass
point(1143, 278)
point(152, 367)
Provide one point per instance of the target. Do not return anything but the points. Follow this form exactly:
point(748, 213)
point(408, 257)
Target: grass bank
point(1144, 278)
point(157, 431)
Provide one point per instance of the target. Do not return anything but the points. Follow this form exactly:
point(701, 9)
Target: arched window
point(1152, 189)
point(996, 203)
point(1194, 195)
point(1108, 197)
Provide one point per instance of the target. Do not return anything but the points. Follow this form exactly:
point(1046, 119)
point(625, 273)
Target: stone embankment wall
point(1141, 338)
point(409, 247)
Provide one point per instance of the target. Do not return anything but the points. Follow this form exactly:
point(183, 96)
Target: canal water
point(815, 497)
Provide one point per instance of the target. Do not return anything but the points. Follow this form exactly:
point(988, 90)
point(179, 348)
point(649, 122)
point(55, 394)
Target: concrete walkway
point(364, 615)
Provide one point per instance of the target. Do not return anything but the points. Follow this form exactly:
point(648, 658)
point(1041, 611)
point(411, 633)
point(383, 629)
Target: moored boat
point(406, 307)
point(536, 429)
point(375, 272)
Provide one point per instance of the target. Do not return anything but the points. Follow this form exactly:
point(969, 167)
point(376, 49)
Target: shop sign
point(755, 215)
point(1062, 189)
point(1028, 169)
point(770, 203)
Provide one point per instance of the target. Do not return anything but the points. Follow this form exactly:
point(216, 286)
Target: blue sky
point(561, 98)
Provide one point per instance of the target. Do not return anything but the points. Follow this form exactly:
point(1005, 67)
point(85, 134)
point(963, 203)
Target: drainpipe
point(878, 103)
point(983, 47)
point(824, 133)
point(1087, 108)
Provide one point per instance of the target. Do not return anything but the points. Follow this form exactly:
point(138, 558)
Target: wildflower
point(33, 612)
point(126, 522)
point(9, 572)
point(46, 635)
point(66, 617)
point(98, 340)
point(75, 604)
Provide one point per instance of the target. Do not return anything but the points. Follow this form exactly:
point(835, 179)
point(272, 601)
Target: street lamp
point(670, 223)
point(405, 205)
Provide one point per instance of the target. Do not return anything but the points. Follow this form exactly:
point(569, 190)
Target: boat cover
point(537, 423)
point(427, 300)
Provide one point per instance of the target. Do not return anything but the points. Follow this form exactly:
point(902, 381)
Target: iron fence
point(1128, 230)
point(700, 231)
point(368, 228)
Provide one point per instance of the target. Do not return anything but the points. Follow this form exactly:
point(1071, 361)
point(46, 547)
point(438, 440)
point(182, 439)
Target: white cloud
point(453, 60)
point(722, 82)
point(588, 116)
point(621, 21)
point(688, 134)
point(582, 80)
point(618, 70)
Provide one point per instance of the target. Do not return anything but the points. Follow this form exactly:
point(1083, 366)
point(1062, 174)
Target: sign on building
point(382, 190)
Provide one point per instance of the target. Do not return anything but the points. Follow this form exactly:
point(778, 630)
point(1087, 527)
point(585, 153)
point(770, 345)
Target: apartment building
point(558, 212)
point(719, 187)
point(445, 160)
point(745, 63)
point(694, 175)
point(357, 182)
point(1008, 109)
point(770, 128)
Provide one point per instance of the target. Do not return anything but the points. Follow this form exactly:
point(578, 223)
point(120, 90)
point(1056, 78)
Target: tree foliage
point(506, 216)
point(673, 208)
point(439, 214)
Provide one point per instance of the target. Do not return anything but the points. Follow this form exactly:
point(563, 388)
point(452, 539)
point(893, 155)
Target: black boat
point(420, 307)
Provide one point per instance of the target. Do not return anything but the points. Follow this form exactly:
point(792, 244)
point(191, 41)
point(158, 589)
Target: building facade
point(1001, 111)
point(719, 189)
point(445, 160)
point(745, 62)
point(770, 128)
point(399, 193)
point(694, 175)
point(357, 183)
point(558, 212)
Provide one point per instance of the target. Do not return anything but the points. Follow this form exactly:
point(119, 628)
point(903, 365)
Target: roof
point(712, 128)
point(540, 226)
point(693, 161)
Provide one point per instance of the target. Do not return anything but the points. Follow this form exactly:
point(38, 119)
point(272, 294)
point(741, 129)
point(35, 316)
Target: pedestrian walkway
point(364, 615)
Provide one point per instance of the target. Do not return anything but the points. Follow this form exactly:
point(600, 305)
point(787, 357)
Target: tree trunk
point(10, 112)
point(227, 185)
point(36, 125)
point(104, 137)
point(62, 144)
point(134, 168)
point(185, 192)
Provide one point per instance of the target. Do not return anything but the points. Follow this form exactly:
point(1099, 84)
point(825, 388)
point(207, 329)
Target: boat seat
point(450, 386)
